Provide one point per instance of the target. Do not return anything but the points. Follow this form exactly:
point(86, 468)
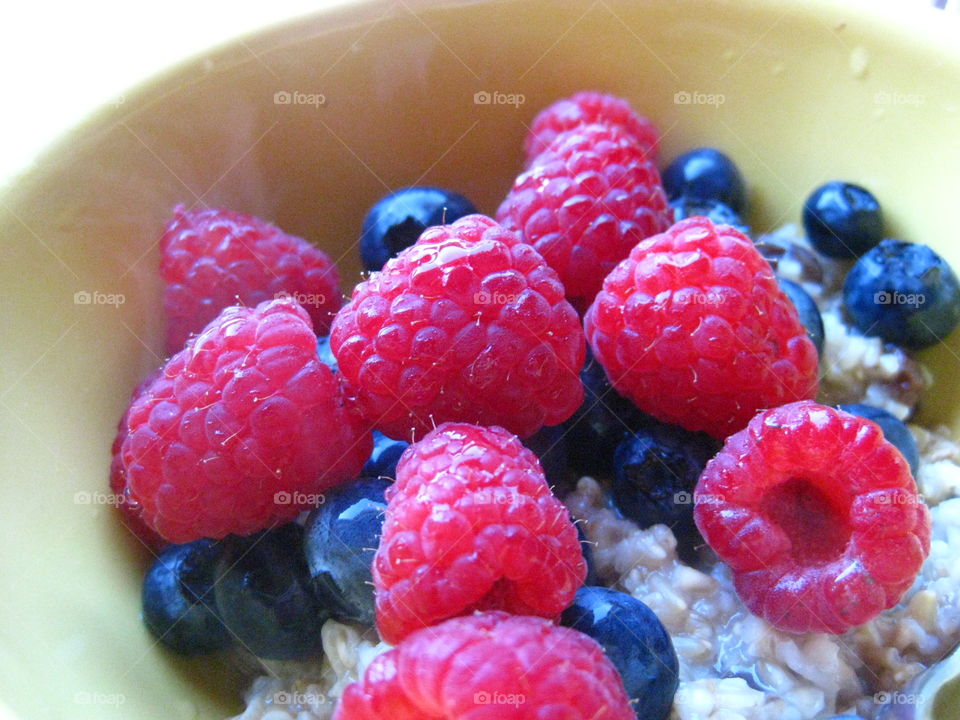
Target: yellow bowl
point(306, 125)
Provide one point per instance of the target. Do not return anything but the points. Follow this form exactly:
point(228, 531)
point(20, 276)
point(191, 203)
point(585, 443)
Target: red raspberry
point(471, 524)
point(466, 325)
point(587, 108)
point(215, 258)
point(587, 199)
point(694, 328)
point(240, 428)
point(817, 515)
point(490, 666)
point(130, 514)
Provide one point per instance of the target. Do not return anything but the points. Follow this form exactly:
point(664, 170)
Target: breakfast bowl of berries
point(510, 360)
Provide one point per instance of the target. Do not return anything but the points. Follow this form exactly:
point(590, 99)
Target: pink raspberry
point(466, 325)
point(588, 108)
point(241, 430)
point(817, 515)
point(586, 200)
point(694, 328)
point(490, 666)
point(471, 524)
point(215, 258)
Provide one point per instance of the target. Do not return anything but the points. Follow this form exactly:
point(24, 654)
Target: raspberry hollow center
point(817, 528)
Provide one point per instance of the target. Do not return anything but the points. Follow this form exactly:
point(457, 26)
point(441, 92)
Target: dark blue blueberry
point(265, 596)
point(341, 537)
point(655, 471)
point(600, 423)
point(904, 293)
point(635, 641)
point(842, 220)
point(396, 220)
point(718, 212)
point(326, 354)
point(706, 174)
point(893, 430)
point(807, 309)
point(386, 454)
point(549, 444)
point(178, 604)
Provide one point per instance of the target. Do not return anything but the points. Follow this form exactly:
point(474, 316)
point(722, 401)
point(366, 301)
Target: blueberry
point(341, 537)
point(705, 174)
point(549, 444)
point(326, 354)
point(178, 604)
point(842, 220)
point(386, 454)
point(807, 308)
point(396, 220)
point(655, 471)
point(904, 293)
point(600, 423)
point(265, 597)
point(718, 212)
point(893, 430)
point(635, 641)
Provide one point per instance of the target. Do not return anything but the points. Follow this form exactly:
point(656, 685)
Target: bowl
point(307, 124)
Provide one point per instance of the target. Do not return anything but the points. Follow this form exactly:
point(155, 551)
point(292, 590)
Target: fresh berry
point(893, 430)
point(340, 538)
point(326, 354)
point(471, 524)
point(706, 174)
point(467, 325)
point(240, 428)
point(385, 456)
point(601, 422)
point(655, 471)
point(817, 515)
point(178, 604)
point(694, 329)
point(586, 200)
point(588, 108)
point(635, 641)
point(130, 512)
point(490, 666)
point(842, 220)
point(398, 219)
point(549, 444)
point(904, 293)
point(215, 258)
point(264, 595)
point(718, 212)
point(807, 310)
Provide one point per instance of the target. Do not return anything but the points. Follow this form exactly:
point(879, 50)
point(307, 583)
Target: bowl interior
point(306, 125)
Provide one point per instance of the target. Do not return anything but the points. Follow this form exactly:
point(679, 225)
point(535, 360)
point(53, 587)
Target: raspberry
point(817, 515)
point(585, 201)
point(240, 428)
point(215, 258)
point(695, 330)
point(587, 108)
point(471, 524)
point(466, 325)
point(490, 666)
point(130, 512)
